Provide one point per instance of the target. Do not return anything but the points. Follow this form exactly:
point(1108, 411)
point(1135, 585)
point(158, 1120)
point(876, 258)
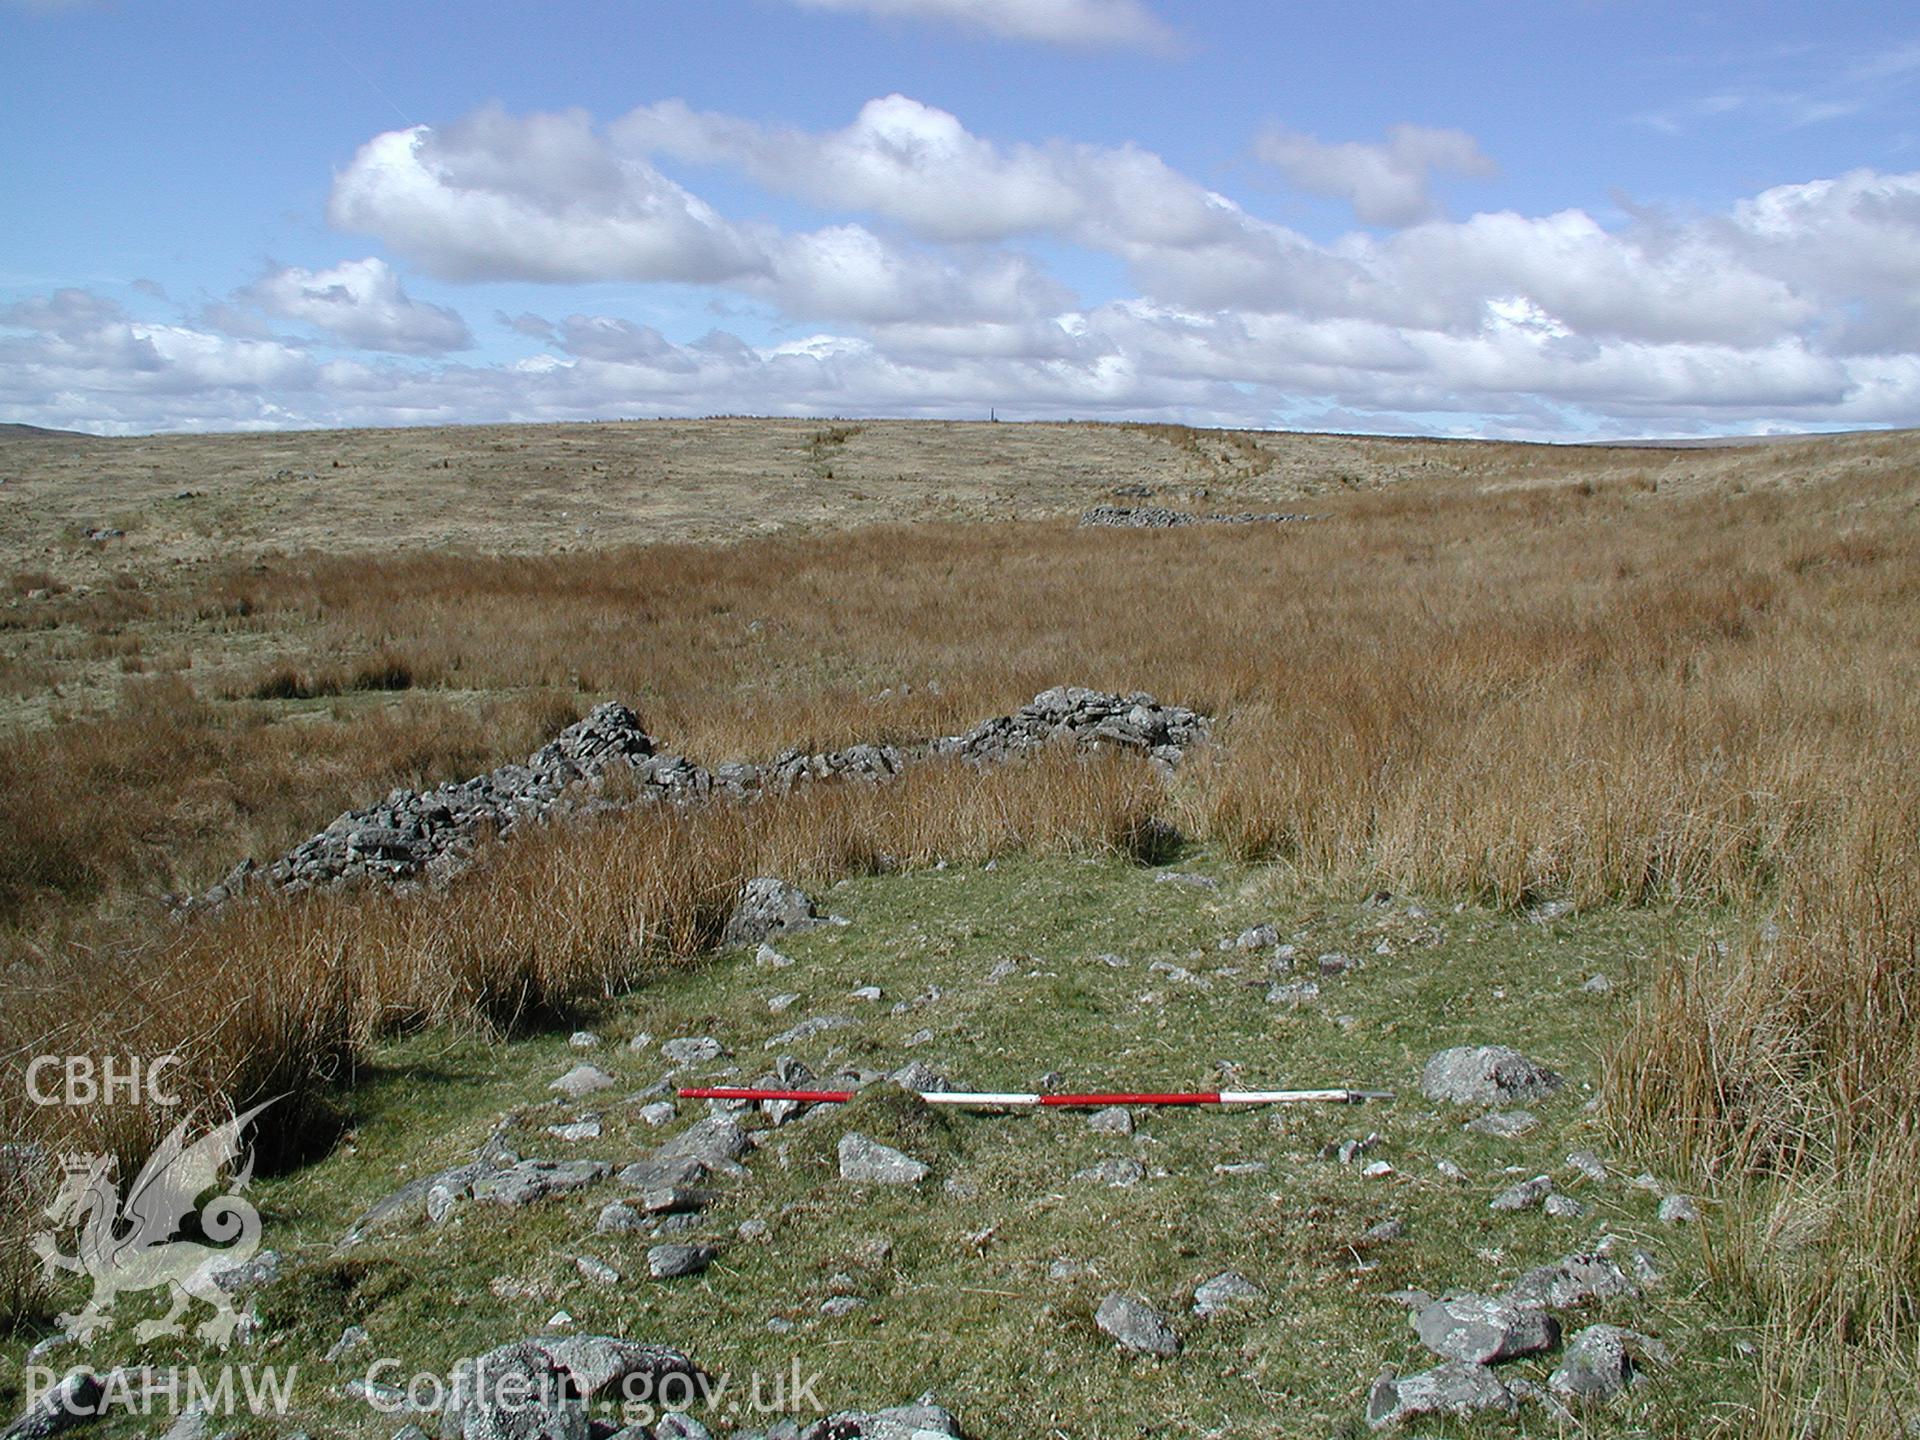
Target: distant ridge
point(10, 430)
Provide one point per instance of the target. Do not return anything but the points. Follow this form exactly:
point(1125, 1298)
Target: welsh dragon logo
point(135, 1244)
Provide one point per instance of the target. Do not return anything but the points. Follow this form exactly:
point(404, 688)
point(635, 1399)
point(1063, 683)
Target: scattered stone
point(868, 1160)
point(584, 1040)
point(923, 1420)
point(1241, 1167)
point(541, 1387)
point(657, 1112)
point(599, 1272)
point(1118, 1171)
point(1575, 1280)
point(1589, 1165)
point(1348, 1151)
point(1335, 963)
point(920, 1078)
point(1450, 1388)
point(1564, 1207)
point(1298, 992)
point(582, 1080)
point(673, 1200)
point(1503, 1124)
point(807, 1029)
point(1524, 1196)
point(532, 1180)
point(768, 906)
point(1601, 1361)
point(1482, 1329)
point(670, 1262)
point(1064, 1267)
point(588, 1129)
point(351, 1339)
point(779, 1004)
point(255, 1274)
point(641, 1040)
point(1485, 1075)
point(1111, 1120)
point(692, 1049)
point(1598, 985)
point(840, 1305)
point(771, 958)
point(1450, 1170)
point(1257, 937)
point(618, 1218)
point(753, 1229)
point(1678, 1210)
point(1387, 1230)
point(869, 993)
point(1223, 1292)
point(1134, 1325)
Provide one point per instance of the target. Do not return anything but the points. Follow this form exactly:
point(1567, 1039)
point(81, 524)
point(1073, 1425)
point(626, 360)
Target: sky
point(1538, 219)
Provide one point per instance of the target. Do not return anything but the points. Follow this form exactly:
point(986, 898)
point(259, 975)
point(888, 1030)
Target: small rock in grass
point(868, 1160)
point(583, 1079)
point(1256, 937)
point(771, 958)
point(1453, 1387)
point(1678, 1210)
point(1118, 1171)
point(1392, 1229)
point(778, 1004)
point(753, 1229)
point(1485, 1075)
point(1598, 985)
point(1348, 1151)
point(1482, 1329)
point(669, 1262)
point(1112, 1120)
point(617, 1218)
point(584, 1040)
point(351, 1339)
point(1564, 1207)
point(1296, 993)
point(1378, 1170)
point(692, 1049)
point(1524, 1196)
point(1223, 1291)
point(588, 1129)
point(840, 1305)
point(1574, 1280)
point(1601, 1361)
point(869, 993)
point(598, 1271)
point(1134, 1325)
point(779, 1324)
point(1450, 1170)
point(657, 1112)
point(1064, 1267)
point(1589, 1165)
point(641, 1040)
point(1503, 1124)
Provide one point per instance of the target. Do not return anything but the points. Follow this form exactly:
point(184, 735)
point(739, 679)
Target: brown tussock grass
point(1606, 686)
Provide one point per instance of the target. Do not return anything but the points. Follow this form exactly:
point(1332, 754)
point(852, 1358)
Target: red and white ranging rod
point(988, 1099)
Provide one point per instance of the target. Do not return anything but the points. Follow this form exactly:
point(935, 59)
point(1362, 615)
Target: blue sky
point(1530, 218)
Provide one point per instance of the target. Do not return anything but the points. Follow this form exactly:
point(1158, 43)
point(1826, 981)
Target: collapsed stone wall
point(1152, 517)
point(608, 762)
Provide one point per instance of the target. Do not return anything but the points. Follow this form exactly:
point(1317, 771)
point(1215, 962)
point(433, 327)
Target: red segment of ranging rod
point(988, 1099)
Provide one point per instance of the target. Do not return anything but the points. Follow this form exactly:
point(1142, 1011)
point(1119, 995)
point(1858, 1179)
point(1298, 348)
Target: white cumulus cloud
point(361, 303)
point(1387, 183)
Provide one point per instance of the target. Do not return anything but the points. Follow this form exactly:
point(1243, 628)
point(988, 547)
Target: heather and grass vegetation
point(1545, 675)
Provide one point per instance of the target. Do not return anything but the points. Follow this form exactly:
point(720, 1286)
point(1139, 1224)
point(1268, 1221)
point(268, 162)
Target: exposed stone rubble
point(1153, 517)
point(608, 762)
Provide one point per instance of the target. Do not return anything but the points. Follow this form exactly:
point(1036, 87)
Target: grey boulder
point(1135, 1325)
point(1451, 1388)
point(768, 906)
point(1486, 1075)
point(1601, 1361)
point(1482, 1329)
point(868, 1160)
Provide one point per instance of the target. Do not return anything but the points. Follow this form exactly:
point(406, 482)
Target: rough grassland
point(963, 1303)
point(1656, 684)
